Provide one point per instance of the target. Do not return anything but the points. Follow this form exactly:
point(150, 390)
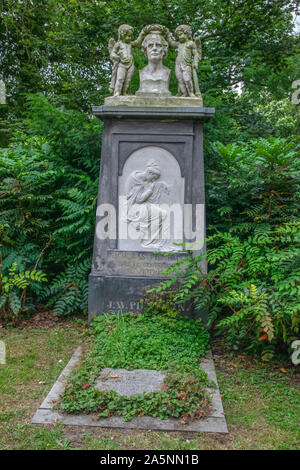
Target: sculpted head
point(125, 32)
point(183, 33)
point(152, 172)
point(155, 47)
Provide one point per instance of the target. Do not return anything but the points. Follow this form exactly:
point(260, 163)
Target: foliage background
point(54, 61)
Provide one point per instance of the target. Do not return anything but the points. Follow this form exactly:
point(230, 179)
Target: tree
point(59, 47)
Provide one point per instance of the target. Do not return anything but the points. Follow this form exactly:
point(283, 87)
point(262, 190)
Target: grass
point(261, 403)
point(268, 402)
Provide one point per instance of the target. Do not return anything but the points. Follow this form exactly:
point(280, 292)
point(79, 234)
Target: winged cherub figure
point(122, 59)
point(189, 54)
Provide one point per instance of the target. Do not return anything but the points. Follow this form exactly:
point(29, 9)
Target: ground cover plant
point(149, 340)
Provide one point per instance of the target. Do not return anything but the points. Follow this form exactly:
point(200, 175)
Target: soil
point(45, 319)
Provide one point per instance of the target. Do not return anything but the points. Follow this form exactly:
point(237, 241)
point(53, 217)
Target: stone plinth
point(152, 156)
point(150, 99)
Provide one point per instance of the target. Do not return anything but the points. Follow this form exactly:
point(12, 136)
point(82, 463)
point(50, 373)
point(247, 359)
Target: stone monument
point(151, 189)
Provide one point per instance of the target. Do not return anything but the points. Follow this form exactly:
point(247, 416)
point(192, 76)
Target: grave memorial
point(151, 189)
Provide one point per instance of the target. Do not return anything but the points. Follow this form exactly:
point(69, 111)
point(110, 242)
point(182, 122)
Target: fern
point(68, 292)
point(252, 287)
point(48, 189)
point(13, 286)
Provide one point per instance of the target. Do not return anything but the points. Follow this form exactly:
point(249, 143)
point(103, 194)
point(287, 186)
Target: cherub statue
point(122, 59)
point(189, 54)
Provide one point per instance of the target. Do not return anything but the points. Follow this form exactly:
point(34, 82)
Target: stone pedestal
point(169, 141)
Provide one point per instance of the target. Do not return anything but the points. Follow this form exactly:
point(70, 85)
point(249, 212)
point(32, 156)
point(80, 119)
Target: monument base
point(116, 294)
point(151, 99)
point(124, 268)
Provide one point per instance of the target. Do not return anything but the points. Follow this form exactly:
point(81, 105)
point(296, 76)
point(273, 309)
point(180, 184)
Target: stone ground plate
point(128, 383)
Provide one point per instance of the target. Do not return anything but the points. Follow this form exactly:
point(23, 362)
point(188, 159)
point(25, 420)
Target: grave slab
point(130, 382)
point(215, 422)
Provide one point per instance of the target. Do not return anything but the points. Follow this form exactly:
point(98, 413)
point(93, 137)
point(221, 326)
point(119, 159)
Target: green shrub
point(14, 290)
point(48, 189)
point(68, 292)
point(251, 291)
point(253, 182)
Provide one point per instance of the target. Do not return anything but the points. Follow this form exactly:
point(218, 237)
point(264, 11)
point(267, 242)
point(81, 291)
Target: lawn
point(261, 402)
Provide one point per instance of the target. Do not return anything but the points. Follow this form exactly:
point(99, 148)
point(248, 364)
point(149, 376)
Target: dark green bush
point(48, 188)
point(251, 291)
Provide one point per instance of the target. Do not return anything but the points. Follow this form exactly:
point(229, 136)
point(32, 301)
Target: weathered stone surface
point(168, 142)
point(129, 263)
point(130, 382)
point(160, 112)
point(2, 352)
point(122, 59)
point(189, 54)
point(119, 294)
point(60, 384)
point(157, 169)
point(152, 99)
point(210, 424)
point(155, 77)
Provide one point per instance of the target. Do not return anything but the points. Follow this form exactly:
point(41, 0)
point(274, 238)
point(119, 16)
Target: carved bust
point(155, 39)
point(155, 77)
